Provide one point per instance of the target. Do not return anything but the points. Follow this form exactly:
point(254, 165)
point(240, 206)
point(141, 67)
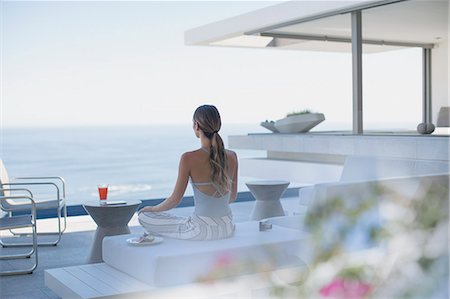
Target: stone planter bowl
point(299, 123)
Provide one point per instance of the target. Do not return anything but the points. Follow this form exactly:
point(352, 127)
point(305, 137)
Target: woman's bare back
point(200, 170)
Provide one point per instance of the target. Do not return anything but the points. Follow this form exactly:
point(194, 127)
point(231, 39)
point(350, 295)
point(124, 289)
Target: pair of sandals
point(145, 238)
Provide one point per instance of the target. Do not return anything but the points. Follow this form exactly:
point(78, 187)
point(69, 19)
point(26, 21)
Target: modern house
point(359, 28)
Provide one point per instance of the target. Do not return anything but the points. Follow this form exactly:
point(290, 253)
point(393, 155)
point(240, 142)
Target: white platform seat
point(175, 262)
point(292, 222)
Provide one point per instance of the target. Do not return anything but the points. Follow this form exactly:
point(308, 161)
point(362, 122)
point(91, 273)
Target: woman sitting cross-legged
point(212, 171)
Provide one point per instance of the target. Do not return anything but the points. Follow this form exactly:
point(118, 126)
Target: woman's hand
point(177, 195)
point(147, 209)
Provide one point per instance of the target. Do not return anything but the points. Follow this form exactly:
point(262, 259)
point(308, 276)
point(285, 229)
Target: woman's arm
point(180, 187)
point(234, 178)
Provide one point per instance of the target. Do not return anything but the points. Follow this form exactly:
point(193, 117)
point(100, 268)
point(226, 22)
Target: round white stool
point(267, 198)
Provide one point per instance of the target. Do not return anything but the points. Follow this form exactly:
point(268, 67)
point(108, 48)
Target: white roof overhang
point(326, 26)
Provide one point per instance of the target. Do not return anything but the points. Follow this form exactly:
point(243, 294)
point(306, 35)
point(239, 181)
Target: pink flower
point(223, 260)
point(345, 289)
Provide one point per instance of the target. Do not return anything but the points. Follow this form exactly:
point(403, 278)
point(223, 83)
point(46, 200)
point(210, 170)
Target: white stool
point(267, 195)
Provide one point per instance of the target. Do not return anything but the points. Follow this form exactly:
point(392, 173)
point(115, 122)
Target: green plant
point(293, 113)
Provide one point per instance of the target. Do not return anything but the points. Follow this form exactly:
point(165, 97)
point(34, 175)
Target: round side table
point(267, 195)
point(111, 220)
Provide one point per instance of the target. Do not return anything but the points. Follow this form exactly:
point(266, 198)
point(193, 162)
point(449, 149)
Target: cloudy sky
point(125, 63)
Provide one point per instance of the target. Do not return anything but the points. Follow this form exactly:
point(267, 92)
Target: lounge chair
point(13, 206)
point(22, 221)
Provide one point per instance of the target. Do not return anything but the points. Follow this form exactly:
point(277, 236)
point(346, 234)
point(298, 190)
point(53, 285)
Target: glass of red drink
point(103, 193)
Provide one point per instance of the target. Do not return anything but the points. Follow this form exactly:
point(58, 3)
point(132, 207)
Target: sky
point(125, 63)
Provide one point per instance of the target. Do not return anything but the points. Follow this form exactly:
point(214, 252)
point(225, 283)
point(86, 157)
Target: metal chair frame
point(58, 208)
point(22, 221)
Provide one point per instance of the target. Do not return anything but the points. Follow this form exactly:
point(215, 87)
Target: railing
point(78, 210)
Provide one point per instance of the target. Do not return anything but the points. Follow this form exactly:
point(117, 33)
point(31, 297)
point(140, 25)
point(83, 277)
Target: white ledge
point(407, 147)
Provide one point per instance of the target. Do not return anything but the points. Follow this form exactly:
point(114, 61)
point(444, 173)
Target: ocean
point(137, 162)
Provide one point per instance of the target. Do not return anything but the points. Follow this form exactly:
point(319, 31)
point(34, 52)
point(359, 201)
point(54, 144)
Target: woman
point(212, 171)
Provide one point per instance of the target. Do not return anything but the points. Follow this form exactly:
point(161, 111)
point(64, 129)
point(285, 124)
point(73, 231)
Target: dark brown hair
point(208, 120)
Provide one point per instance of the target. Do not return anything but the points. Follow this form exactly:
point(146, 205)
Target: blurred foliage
point(415, 238)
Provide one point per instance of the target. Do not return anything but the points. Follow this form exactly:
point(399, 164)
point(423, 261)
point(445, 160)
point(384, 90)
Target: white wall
point(440, 74)
point(448, 57)
point(440, 78)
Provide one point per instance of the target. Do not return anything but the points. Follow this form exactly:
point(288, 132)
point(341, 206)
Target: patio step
point(92, 281)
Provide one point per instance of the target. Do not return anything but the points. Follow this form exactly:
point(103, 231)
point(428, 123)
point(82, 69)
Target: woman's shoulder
point(188, 156)
point(231, 154)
